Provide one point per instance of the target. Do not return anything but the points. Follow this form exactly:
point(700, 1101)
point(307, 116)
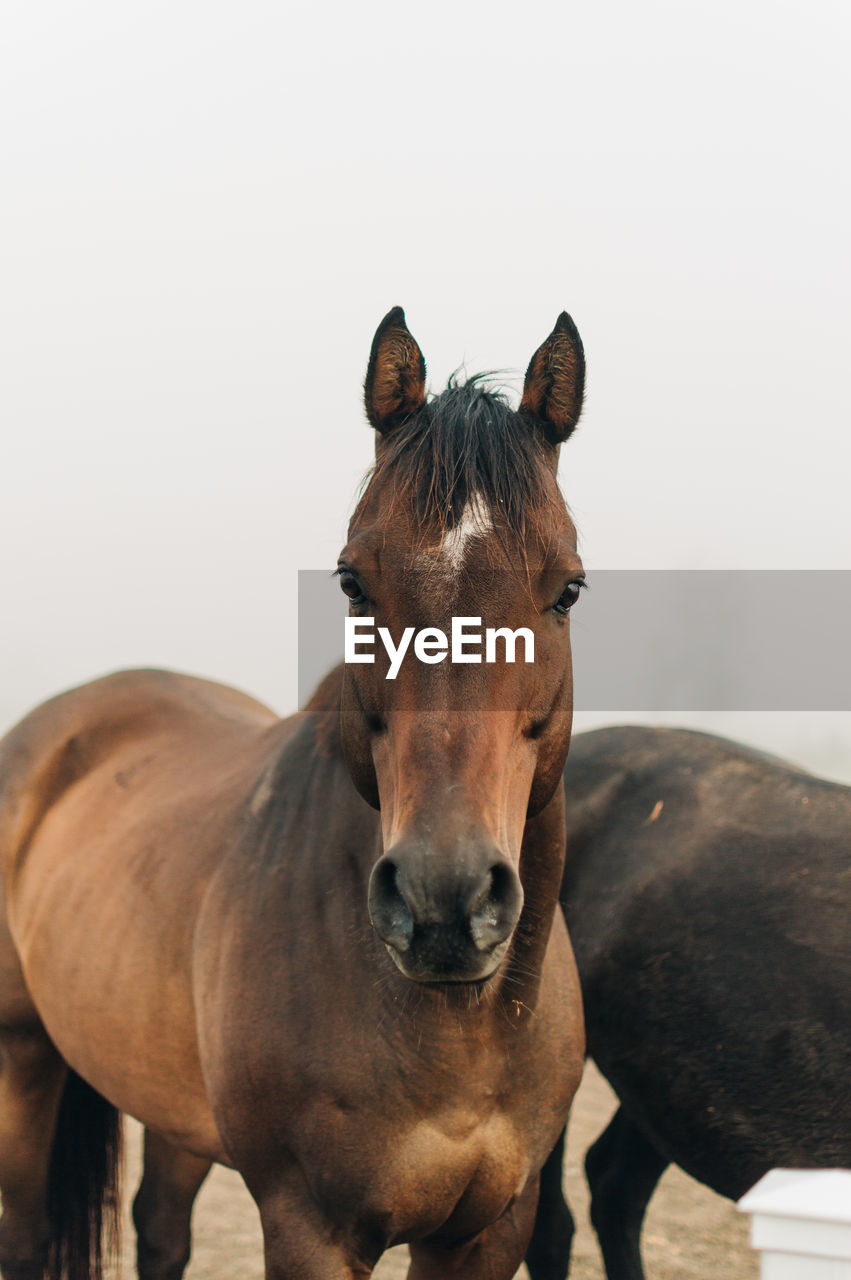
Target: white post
point(802, 1223)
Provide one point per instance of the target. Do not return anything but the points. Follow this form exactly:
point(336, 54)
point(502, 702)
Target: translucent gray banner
point(692, 640)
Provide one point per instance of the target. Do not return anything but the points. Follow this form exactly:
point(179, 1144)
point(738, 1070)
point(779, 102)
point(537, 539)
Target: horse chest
point(452, 1174)
point(471, 1182)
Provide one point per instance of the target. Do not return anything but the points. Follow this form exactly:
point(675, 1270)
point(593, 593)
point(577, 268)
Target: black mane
point(467, 440)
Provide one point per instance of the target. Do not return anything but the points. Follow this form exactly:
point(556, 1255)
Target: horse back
point(74, 734)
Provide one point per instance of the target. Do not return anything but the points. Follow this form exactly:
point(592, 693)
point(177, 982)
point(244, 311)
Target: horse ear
point(555, 381)
point(395, 377)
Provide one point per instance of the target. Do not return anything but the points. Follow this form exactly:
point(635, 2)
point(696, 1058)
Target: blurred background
point(207, 210)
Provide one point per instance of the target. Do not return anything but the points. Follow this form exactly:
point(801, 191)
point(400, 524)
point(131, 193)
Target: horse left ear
point(395, 377)
point(555, 382)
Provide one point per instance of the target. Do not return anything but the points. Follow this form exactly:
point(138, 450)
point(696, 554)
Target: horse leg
point(494, 1254)
point(548, 1255)
point(162, 1209)
point(623, 1169)
point(32, 1076)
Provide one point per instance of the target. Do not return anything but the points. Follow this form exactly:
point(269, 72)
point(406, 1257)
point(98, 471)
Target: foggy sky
point(207, 209)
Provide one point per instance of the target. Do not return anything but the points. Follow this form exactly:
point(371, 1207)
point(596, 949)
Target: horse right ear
point(555, 382)
point(395, 377)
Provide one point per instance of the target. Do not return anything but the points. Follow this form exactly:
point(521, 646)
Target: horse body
point(707, 891)
point(372, 1013)
point(240, 1054)
point(124, 892)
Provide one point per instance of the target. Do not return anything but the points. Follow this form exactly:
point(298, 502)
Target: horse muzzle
point(445, 924)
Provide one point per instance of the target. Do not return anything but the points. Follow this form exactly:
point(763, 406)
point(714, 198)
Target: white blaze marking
point(474, 523)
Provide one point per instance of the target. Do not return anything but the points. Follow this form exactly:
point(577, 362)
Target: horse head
point(459, 744)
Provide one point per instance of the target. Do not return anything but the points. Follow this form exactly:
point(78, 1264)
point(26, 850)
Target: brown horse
point(325, 950)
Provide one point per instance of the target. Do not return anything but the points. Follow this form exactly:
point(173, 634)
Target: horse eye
point(350, 587)
point(567, 598)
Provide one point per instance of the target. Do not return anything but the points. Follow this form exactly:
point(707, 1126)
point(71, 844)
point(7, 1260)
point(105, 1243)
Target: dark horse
point(707, 890)
point(325, 951)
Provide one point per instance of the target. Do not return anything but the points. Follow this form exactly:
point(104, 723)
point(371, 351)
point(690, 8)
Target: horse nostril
point(497, 909)
point(389, 912)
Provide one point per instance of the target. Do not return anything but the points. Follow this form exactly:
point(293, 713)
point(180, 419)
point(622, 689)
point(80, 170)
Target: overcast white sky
point(208, 208)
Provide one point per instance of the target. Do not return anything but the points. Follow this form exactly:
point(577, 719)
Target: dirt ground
point(689, 1232)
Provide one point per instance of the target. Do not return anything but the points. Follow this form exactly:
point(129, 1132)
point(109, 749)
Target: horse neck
point(541, 867)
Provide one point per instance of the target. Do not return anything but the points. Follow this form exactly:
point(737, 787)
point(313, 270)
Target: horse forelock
point(466, 460)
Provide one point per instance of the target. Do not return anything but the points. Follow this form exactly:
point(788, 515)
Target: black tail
point(83, 1199)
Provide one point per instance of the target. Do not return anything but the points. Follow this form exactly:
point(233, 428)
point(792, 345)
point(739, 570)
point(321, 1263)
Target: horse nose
point(496, 908)
point(388, 909)
point(409, 897)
